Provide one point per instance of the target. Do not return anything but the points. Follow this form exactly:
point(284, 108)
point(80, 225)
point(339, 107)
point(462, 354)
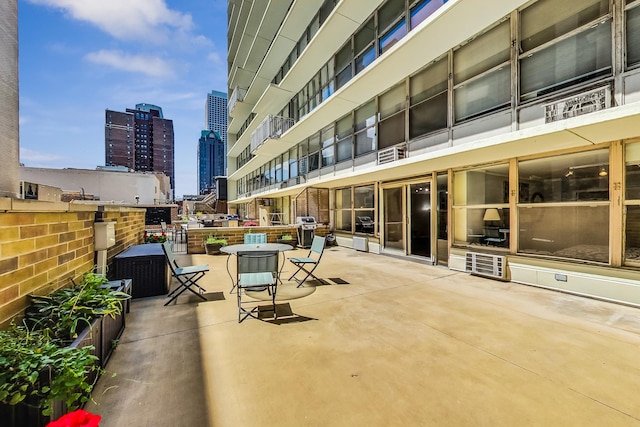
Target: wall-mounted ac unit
point(487, 265)
point(361, 244)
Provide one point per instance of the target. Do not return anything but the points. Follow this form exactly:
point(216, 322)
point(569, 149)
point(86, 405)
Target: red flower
point(79, 418)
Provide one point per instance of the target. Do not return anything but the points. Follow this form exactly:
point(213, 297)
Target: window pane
point(365, 59)
point(491, 91)
point(344, 56)
point(314, 161)
point(428, 116)
point(429, 82)
point(567, 178)
point(393, 36)
point(482, 226)
point(327, 136)
point(482, 54)
point(633, 36)
point(579, 58)
point(363, 197)
point(559, 231)
point(365, 116)
point(343, 77)
point(632, 172)
point(389, 12)
point(343, 220)
point(314, 142)
point(344, 150)
point(343, 209)
point(364, 37)
point(343, 198)
point(632, 240)
point(365, 221)
point(344, 126)
point(328, 158)
point(546, 20)
point(365, 141)
point(481, 186)
point(424, 10)
point(391, 131)
point(392, 101)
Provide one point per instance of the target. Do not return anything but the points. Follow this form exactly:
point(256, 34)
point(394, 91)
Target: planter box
point(28, 412)
point(112, 328)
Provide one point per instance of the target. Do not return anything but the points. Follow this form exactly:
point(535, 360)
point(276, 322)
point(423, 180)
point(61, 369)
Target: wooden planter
point(212, 248)
point(28, 412)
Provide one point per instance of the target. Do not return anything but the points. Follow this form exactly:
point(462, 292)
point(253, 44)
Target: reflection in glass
point(560, 231)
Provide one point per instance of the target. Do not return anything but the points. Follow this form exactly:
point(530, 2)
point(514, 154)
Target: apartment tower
point(212, 160)
point(498, 138)
point(140, 139)
point(216, 112)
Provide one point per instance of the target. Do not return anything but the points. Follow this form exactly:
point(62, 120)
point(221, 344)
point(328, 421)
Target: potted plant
point(287, 239)
point(155, 238)
point(213, 244)
point(39, 378)
point(67, 311)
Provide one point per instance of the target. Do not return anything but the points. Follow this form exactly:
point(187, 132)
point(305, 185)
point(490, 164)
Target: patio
point(402, 343)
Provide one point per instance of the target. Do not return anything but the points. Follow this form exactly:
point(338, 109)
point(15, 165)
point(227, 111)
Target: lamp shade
point(491, 215)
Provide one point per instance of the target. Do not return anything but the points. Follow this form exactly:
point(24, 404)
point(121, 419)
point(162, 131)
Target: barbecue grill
point(306, 230)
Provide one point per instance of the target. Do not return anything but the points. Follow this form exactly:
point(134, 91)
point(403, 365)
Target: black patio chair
point(186, 276)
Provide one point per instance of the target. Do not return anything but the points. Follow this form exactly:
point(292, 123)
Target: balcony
point(272, 127)
point(237, 96)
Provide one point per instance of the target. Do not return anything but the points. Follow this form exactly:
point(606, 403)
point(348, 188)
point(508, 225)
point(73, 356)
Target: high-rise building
point(216, 111)
point(140, 139)
point(501, 139)
point(212, 160)
point(9, 105)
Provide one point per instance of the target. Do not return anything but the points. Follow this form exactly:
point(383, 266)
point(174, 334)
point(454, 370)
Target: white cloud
point(150, 20)
point(149, 65)
point(36, 157)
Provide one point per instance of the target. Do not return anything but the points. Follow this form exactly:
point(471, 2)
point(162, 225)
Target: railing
point(271, 128)
point(392, 154)
point(237, 95)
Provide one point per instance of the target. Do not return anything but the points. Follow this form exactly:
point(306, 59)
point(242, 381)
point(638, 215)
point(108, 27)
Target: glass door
point(419, 226)
point(394, 213)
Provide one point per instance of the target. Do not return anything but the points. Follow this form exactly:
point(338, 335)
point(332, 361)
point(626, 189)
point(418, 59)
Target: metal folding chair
point(186, 276)
point(257, 271)
point(310, 262)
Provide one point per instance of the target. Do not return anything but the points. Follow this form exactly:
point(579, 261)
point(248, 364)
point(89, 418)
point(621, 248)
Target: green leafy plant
point(67, 311)
point(213, 240)
point(28, 357)
point(286, 237)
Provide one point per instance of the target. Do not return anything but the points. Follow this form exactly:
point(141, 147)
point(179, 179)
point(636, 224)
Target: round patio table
point(253, 247)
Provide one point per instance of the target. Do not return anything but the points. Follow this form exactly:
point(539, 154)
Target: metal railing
point(272, 127)
point(237, 95)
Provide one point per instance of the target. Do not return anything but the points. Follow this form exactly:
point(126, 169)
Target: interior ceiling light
point(603, 172)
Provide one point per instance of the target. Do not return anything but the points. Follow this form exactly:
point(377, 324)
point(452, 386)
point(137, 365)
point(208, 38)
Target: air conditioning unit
point(361, 244)
point(487, 265)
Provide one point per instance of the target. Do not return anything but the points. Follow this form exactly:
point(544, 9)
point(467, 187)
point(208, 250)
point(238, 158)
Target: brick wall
point(43, 245)
point(235, 235)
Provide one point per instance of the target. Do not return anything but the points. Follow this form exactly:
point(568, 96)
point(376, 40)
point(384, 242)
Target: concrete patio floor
point(402, 343)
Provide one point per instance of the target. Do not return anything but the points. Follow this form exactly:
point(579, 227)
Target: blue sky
point(80, 57)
